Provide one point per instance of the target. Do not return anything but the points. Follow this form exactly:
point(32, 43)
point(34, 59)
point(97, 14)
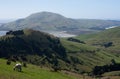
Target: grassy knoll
point(31, 72)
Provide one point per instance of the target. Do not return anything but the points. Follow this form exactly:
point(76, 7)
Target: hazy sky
point(92, 9)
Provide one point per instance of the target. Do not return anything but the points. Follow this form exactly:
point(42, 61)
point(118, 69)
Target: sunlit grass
point(31, 72)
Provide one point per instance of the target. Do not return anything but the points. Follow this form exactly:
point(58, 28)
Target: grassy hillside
point(94, 51)
point(86, 56)
point(110, 34)
point(31, 72)
point(35, 72)
point(106, 46)
point(104, 37)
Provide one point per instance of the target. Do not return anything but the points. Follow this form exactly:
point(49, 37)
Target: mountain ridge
point(45, 21)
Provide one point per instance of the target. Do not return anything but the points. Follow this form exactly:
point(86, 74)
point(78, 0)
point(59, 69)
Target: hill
point(32, 46)
point(104, 38)
point(94, 49)
point(48, 21)
point(86, 56)
point(42, 21)
point(106, 42)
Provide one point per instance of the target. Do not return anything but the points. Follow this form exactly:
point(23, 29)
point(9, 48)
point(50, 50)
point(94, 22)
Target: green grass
point(85, 37)
point(31, 72)
point(89, 55)
point(101, 55)
point(75, 47)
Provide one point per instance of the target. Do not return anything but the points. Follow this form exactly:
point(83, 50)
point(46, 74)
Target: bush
point(75, 40)
point(8, 62)
point(98, 70)
point(108, 44)
point(24, 64)
point(56, 68)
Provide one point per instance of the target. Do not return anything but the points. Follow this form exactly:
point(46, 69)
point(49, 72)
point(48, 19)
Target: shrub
point(8, 62)
point(24, 64)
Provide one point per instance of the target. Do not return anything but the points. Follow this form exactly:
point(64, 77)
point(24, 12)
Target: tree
point(108, 44)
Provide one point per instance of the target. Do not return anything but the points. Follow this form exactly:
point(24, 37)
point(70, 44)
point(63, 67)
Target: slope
point(104, 38)
point(31, 72)
point(33, 46)
point(85, 57)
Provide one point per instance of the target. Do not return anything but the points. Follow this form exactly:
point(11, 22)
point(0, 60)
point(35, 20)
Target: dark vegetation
point(19, 32)
point(75, 40)
point(104, 44)
point(99, 70)
point(108, 44)
point(8, 62)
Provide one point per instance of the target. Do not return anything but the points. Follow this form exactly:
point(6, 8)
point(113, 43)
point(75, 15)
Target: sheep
point(18, 67)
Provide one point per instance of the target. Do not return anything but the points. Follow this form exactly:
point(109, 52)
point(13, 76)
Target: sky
point(85, 9)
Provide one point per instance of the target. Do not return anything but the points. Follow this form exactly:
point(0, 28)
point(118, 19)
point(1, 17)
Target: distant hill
point(42, 21)
point(104, 38)
point(47, 21)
